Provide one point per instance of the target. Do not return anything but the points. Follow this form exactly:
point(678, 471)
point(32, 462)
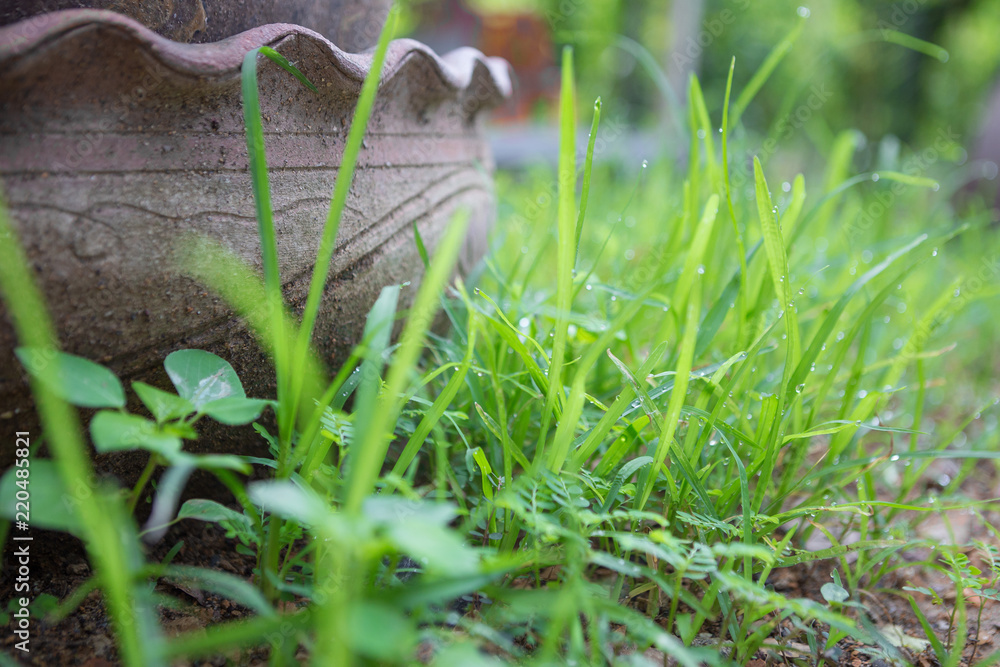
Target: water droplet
point(630, 254)
point(799, 388)
point(934, 252)
point(803, 12)
point(589, 287)
point(701, 133)
point(875, 176)
point(614, 298)
point(894, 457)
point(701, 269)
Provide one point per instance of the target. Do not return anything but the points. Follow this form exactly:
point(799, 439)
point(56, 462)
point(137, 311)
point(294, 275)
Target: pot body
point(119, 146)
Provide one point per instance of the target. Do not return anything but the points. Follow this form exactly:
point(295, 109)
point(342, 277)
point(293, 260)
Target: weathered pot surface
point(116, 142)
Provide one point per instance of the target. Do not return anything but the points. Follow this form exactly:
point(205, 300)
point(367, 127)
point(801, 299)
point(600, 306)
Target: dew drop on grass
point(614, 298)
point(701, 269)
point(701, 133)
point(886, 319)
point(590, 287)
point(875, 177)
point(799, 388)
point(934, 252)
point(894, 457)
point(803, 12)
point(957, 292)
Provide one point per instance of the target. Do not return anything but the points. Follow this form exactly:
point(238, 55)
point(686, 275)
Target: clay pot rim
point(460, 69)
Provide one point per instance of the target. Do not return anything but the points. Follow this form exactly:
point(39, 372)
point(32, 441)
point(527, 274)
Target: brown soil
point(84, 638)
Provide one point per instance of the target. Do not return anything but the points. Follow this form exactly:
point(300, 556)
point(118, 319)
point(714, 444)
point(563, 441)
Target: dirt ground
point(84, 637)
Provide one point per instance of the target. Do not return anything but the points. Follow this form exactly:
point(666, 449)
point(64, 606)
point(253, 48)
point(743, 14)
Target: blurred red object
point(521, 38)
point(524, 41)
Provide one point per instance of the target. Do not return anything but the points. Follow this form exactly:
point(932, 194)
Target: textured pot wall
point(353, 25)
point(117, 143)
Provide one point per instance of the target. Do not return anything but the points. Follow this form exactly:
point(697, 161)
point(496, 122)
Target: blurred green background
point(863, 59)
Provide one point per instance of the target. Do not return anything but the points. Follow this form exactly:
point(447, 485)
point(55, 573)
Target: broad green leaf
point(437, 548)
point(76, 380)
point(227, 585)
point(115, 431)
point(49, 505)
point(287, 500)
point(235, 523)
point(163, 405)
point(201, 376)
point(381, 632)
point(831, 592)
point(235, 410)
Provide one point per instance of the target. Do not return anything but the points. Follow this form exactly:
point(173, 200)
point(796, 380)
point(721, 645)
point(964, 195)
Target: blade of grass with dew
point(766, 68)
point(774, 246)
point(375, 425)
point(267, 236)
point(592, 440)
point(741, 294)
point(341, 189)
point(833, 316)
point(697, 101)
point(433, 415)
point(693, 267)
point(574, 405)
point(915, 44)
point(108, 536)
point(565, 252)
point(587, 169)
point(683, 370)
point(817, 212)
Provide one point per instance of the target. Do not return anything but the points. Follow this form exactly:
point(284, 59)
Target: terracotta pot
point(353, 25)
point(116, 142)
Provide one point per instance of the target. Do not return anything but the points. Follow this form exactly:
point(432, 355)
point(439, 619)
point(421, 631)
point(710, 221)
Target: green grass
point(630, 426)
